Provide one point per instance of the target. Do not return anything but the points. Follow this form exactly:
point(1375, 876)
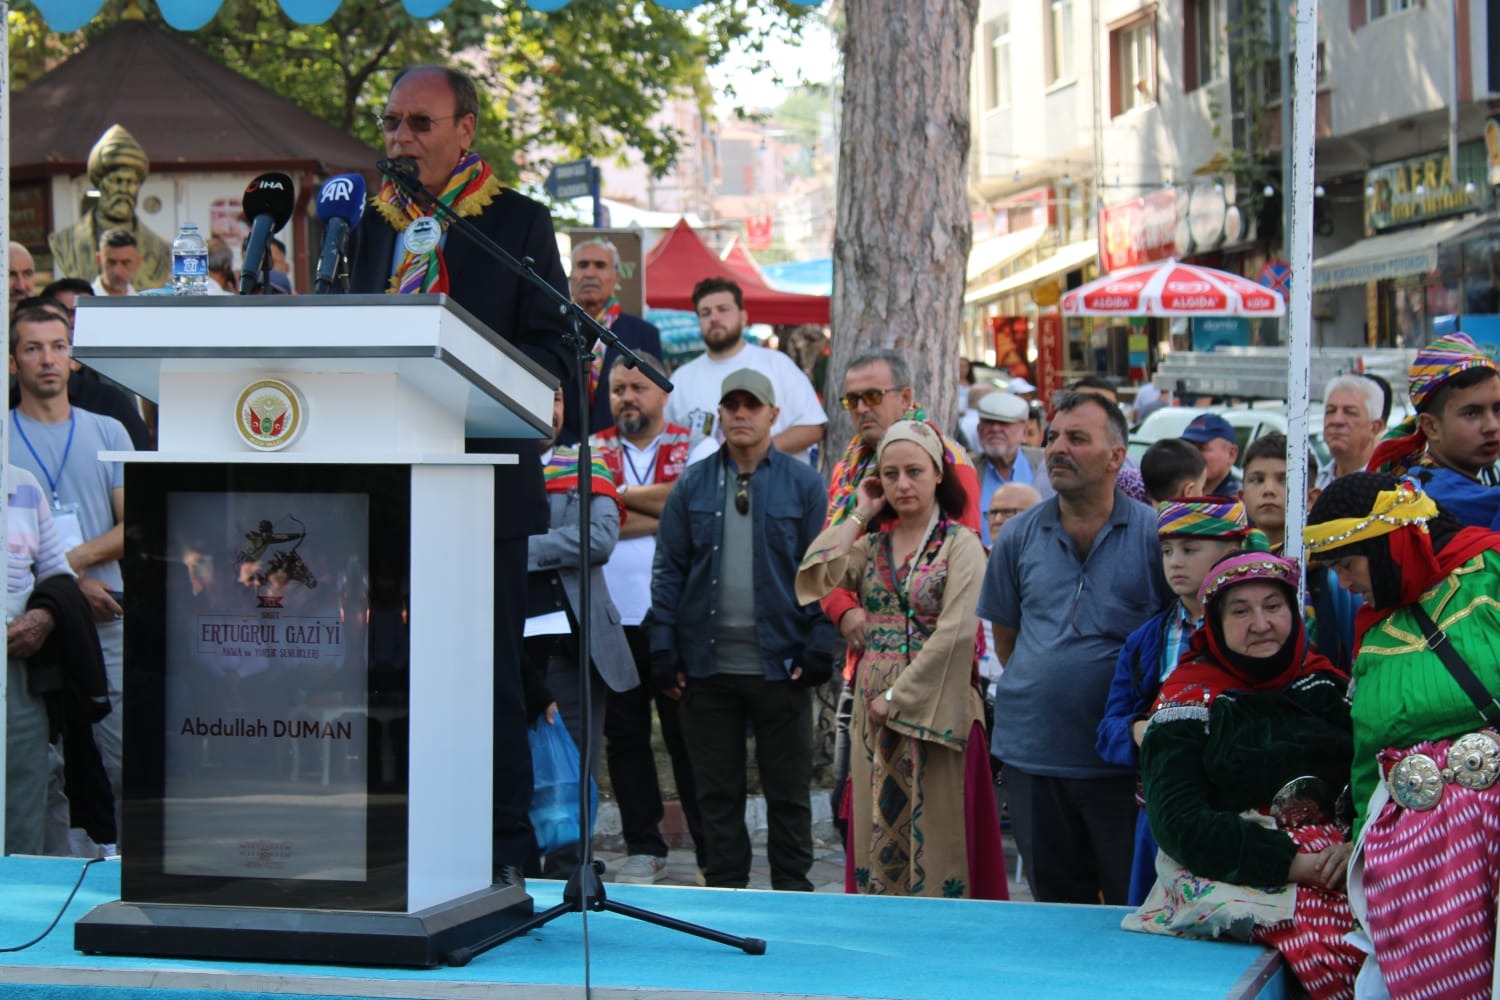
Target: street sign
point(573, 179)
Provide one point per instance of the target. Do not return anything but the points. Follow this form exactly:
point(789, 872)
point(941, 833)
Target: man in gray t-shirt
point(60, 445)
point(1067, 582)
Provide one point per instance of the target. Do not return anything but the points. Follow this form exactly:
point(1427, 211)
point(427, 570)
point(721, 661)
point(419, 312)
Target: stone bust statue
point(117, 166)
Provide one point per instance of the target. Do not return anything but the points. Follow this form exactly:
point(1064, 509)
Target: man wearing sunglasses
point(431, 115)
point(730, 640)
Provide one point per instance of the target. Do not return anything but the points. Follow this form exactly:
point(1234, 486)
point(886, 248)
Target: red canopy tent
point(682, 259)
point(737, 257)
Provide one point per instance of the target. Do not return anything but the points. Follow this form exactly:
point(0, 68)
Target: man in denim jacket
point(729, 638)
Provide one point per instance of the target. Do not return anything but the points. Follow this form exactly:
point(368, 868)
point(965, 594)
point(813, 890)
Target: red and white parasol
point(1170, 288)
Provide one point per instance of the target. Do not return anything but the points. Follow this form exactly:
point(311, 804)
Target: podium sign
point(308, 664)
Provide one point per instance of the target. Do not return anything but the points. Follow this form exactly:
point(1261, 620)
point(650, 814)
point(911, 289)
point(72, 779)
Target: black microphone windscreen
point(270, 194)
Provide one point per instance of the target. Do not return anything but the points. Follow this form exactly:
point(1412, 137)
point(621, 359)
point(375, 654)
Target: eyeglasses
point(742, 493)
point(735, 403)
point(1005, 512)
point(415, 122)
point(870, 397)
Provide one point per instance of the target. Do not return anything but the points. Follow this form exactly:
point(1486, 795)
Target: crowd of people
point(1174, 714)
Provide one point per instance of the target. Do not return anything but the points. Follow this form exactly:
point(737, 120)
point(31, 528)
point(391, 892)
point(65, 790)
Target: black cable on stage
point(66, 903)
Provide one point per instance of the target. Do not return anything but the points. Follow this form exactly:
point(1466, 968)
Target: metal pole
point(5, 306)
point(1453, 93)
point(1303, 155)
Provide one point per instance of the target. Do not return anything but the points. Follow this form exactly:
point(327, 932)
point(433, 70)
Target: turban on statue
point(116, 148)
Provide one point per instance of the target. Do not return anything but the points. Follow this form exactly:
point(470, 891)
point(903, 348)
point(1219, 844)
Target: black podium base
point(327, 937)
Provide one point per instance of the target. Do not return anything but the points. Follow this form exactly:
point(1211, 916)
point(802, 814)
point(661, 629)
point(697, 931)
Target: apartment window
point(1059, 40)
point(1132, 49)
point(1204, 43)
point(997, 71)
point(1381, 8)
point(1279, 58)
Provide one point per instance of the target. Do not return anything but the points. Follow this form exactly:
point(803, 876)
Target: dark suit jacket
point(636, 334)
point(514, 309)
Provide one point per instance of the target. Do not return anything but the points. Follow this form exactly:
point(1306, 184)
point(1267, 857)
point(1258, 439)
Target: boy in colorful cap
point(1195, 533)
point(1212, 435)
point(1449, 448)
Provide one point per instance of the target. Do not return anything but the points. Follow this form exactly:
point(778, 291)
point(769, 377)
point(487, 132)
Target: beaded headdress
point(1245, 567)
point(1401, 507)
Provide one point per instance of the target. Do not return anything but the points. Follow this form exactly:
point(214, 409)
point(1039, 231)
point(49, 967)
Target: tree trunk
point(901, 241)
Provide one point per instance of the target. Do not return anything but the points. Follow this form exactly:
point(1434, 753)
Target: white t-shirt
point(697, 385)
point(628, 572)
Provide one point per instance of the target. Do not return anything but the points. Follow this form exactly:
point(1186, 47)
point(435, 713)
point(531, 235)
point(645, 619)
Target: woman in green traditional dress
point(923, 819)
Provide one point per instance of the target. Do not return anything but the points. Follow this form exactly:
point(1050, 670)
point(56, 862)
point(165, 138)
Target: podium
point(308, 645)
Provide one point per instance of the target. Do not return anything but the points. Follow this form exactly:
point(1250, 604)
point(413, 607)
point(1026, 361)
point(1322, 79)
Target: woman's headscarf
point(1410, 543)
point(1210, 667)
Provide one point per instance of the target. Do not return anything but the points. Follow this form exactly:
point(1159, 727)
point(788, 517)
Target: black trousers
point(632, 763)
point(1076, 835)
point(514, 842)
point(715, 711)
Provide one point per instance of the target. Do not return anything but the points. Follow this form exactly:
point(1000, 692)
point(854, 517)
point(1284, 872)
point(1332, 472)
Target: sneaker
point(641, 869)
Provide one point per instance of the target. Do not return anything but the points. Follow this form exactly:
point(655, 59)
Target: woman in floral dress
point(923, 819)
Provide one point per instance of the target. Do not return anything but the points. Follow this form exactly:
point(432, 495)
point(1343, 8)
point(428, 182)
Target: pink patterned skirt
point(1312, 941)
point(1431, 879)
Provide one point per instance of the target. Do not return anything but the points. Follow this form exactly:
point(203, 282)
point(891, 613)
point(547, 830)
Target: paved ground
point(827, 874)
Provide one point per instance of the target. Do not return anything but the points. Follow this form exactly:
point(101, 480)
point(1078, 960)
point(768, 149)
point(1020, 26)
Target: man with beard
point(1068, 581)
point(117, 168)
point(1351, 425)
point(695, 395)
point(594, 280)
point(1002, 457)
point(645, 455)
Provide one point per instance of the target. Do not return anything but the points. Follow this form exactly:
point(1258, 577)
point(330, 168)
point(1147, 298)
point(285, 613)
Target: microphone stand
point(584, 891)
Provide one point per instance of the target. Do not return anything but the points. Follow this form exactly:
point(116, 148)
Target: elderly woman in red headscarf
point(1244, 756)
point(1426, 873)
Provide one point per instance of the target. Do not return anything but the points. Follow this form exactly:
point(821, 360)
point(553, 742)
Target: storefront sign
point(1050, 356)
point(1426, 187)
point(1138, 232)
point(1210, 332)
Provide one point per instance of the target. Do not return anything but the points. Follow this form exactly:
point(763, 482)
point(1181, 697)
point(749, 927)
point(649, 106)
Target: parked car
point(1249, 423)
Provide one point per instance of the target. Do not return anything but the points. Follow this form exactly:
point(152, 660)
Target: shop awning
point(1069, 258)
point(986, 255)
point(1392, 255)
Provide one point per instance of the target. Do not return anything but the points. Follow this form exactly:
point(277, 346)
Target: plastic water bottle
point(189, 261)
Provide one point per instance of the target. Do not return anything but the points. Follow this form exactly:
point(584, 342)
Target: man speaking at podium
point(431, 116)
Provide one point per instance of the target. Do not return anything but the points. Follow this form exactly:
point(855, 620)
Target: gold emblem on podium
point(269, 414)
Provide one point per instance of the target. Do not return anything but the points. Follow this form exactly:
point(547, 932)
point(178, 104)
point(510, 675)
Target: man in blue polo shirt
point(1212, 435)
point(1067, 582)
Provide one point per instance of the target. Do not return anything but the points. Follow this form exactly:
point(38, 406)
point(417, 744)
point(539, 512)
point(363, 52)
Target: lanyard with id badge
point(65, 516)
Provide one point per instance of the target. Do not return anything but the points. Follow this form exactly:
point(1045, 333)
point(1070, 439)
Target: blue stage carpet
point(820, 945)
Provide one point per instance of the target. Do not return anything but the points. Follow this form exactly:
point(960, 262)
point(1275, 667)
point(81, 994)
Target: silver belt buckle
point(1473, 761)
point(1416, 782)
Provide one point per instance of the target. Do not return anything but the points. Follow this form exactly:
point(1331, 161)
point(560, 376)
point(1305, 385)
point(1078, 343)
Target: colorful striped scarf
point(471, 187)
point(1205, 517)
point(612, 310)
point(561, 475)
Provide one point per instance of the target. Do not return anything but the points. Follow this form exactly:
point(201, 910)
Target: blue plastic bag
point(554, 795)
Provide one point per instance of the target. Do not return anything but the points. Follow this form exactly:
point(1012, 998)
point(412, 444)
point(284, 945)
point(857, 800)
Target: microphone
point(268, 204)
point(341, 203)
point(401, 169)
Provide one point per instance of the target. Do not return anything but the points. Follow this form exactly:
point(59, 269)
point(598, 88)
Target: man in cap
point(1449, 448)
point(117, 167)
point(1214, 438)
point(594, 280)
point(731, 640)
point(1001, 457)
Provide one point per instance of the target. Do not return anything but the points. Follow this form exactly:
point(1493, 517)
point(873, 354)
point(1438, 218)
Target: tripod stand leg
point(750, 946)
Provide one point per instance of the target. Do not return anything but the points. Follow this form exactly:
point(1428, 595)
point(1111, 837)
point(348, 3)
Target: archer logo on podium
point(269, 566)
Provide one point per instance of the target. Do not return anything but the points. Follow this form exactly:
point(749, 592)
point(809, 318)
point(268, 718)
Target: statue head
point(117, 166)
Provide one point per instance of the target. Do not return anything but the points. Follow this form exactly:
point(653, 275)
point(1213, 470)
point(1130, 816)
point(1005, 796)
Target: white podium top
point(410, 373)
